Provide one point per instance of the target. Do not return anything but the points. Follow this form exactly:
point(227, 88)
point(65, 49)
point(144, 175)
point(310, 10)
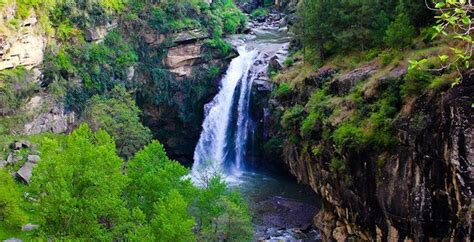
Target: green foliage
point(11, 214)
point(220, 214)
point(416, 80)
point(118, 115)
point(282, 91)
point(338, 165)
point(171, 220)
point(153, 175)
point(78, 185)
point(340, 26)
point(400, 33)
point(292, 117)
point(219, 44)
point(16, 85)
point(259, 12)
point(309, 123)
point(350, 137)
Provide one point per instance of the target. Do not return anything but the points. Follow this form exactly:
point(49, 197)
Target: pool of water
point(282, 209)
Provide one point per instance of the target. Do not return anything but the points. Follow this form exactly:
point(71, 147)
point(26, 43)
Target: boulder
point(24, 173)
point(56, 120)
point(342, 85)
point(13, 240)
point(97, 33)
point(29, 227)
point(3, 163)
point(33, 158)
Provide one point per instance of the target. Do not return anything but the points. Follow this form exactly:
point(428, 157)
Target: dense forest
point(102, 104)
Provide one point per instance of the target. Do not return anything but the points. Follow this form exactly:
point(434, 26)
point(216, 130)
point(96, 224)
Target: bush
point(416, 81)
point(338, 165)
point(282, 91)
point(259, 12)
point(350, 137)
point(292, 117)
point(309, 123)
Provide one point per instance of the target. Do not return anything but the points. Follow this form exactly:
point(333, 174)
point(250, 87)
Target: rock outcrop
point(25, 47)
point(419, 188)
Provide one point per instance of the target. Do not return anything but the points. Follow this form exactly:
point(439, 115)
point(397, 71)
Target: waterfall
point(220, 148)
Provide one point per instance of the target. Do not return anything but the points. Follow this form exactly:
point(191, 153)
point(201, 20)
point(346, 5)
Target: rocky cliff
point(416, 186)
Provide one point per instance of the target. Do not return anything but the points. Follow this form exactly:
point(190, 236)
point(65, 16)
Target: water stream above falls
point(283, 209)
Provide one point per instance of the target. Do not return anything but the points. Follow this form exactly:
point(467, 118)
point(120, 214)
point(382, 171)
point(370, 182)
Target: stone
point(57, 120)
point(33, 158)
point(97, 33)
point(13, 240)
point(275, 63)
point(24, 173)
point(3, 163)
point(29, 227)
point(16, 145)
point(342, 85)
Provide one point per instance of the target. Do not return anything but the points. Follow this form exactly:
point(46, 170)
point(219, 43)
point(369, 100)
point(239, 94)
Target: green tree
point(120, 117)
point(400, 33)
point(171, 220)
point(153, 175)
point(221, 214)
point(11, 214)
point(78, 185)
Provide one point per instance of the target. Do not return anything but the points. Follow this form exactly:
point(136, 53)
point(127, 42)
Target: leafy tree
point(221, 214)
point(171, 220)
point(78, 185)
point(11, 214)
point(153, 175)
point(119, 116)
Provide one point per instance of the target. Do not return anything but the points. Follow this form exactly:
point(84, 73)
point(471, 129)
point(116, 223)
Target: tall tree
point(78, 184)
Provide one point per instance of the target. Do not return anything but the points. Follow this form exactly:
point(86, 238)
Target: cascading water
point(222, 145)
point(215, 148)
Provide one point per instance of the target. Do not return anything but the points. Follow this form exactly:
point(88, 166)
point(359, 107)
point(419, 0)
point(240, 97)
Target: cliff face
point(417, 187)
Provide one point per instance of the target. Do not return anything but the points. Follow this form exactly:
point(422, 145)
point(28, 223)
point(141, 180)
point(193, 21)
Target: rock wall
point(422, 190)
point(24, 47)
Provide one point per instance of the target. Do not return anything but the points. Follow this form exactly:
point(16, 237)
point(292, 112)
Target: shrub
point(348, 136)
point(259, 12)
point(416, 80)
point(338, 165)
point(282, 91)
point(292, 116)
point(309, 123)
